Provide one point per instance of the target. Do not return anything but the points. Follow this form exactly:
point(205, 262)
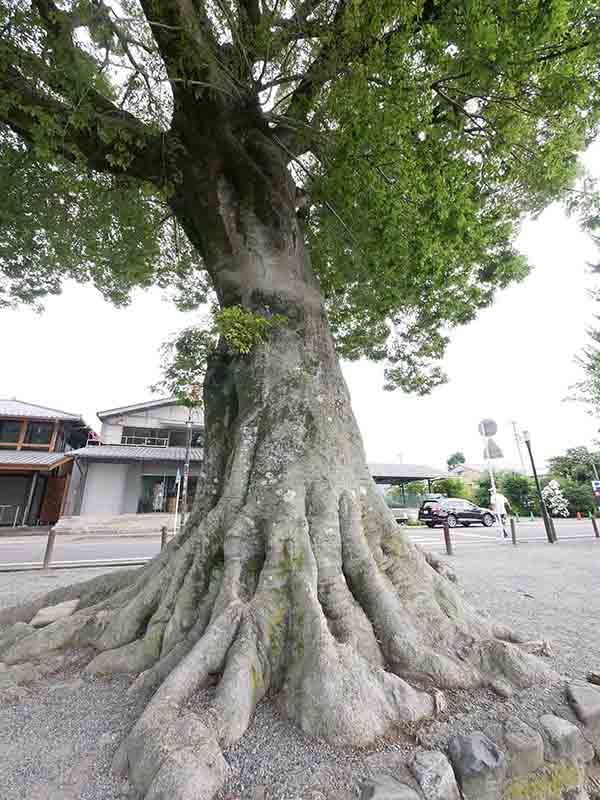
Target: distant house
point(36, 443)
point(132, 469)
point(469, 473)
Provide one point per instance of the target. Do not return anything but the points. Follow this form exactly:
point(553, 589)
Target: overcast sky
point(515, 362)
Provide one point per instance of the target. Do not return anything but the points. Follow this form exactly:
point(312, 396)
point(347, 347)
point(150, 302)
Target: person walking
point(502, 508)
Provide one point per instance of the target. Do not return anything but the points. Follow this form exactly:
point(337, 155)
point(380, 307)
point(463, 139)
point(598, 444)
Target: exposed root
point(314, 596)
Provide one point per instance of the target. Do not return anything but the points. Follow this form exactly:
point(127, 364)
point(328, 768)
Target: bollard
point(163, 537)
point(513, 530)
point(595, 524)
point(447, 538)
point(578, 515)
point(49, 548)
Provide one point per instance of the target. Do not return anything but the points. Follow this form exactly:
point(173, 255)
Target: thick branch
point(184, 36)
point(30, 104)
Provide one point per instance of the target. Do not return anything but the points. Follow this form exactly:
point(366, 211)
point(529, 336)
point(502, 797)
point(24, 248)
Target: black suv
point(456, 511)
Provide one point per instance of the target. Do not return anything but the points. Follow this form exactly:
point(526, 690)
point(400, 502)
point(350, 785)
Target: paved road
point(69, 548)
point(527, 531)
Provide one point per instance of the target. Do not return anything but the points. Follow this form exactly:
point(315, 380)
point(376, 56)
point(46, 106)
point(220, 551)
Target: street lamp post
point(547, 524)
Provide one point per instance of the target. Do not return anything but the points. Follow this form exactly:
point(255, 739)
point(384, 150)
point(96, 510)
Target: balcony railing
point(145, 441)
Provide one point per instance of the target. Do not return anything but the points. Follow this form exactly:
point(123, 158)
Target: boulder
point(434, 775)
point(522, 745)
point(564, 741)
point(479, 765)
point(585, 702)
point(50, 614)
point(13, 633)
point(385, 787)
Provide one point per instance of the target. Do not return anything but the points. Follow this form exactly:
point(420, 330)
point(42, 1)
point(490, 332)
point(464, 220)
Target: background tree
point(519, 491)
point(579, 496)
point(451, 487)
point(576, 464)
point(226, 143)
point(455, 458)
point(555, 500)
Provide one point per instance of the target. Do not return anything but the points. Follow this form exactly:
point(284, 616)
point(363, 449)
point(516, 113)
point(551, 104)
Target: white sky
point(516, 361)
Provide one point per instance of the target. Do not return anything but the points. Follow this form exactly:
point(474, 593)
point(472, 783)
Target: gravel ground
point(58, 744)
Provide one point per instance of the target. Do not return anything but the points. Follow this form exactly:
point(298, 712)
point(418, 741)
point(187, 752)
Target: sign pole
point(178, 481)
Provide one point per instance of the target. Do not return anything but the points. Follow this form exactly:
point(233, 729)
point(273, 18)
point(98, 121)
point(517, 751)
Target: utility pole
point(518, 441)
point(547, 524)
point(186, 467)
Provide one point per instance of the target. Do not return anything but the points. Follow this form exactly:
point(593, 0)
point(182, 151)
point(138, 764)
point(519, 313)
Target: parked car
point(456, 511)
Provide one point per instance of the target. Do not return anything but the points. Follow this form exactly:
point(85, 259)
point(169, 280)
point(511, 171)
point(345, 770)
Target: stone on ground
point(385, 787)
point(48, 615)
point(479, 765)
point(434, 775)
point(564, 741)
point(523, 746)
point(585, 702)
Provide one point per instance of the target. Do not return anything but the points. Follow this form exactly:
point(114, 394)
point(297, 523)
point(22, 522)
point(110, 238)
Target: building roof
point(124, 452)
point(165, 401)
point(28, 458)
point(404, 472)
point(11, 407)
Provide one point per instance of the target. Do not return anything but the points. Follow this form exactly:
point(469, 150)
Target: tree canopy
point(455, 458)
point(419, 134)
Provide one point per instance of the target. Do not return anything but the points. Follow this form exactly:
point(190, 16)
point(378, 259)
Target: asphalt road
point(68, 548)
point(30, 549)
point(527, 531)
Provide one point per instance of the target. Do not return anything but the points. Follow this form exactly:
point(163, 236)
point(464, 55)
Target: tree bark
point(291, 576)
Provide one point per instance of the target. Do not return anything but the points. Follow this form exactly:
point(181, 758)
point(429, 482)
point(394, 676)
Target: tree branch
point(331, 61)
point(184, 36)
point(99, 144)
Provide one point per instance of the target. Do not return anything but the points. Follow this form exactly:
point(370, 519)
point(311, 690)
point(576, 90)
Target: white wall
point(104, 488)
point(158, 417)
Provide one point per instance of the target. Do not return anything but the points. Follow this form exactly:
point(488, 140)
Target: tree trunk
point(291, 576)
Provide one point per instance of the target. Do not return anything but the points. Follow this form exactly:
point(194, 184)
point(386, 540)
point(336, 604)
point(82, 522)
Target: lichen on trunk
point(291, 578)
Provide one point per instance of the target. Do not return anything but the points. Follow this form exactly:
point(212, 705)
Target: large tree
point(395, 144)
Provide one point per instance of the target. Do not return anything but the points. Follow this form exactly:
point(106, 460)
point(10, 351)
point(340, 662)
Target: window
point(39, 433)
point(9, 430)
point(150, 437)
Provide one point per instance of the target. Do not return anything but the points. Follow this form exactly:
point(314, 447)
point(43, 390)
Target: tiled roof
point(415, 472)
point(11, 407)
point(165, 401)
point(26, 458)
point(120, 452)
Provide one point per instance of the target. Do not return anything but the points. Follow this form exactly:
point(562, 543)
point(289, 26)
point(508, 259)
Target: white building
point(133, 468)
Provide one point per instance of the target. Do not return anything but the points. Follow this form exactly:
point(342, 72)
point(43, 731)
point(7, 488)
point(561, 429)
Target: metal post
point(447, 538)
point(554, 536)
point(34, 481)
point(163, 537)
point(186, 468)
point(595, 526)
point(518, 441)
point(513, 530)
point(545, 516)
point(49, 548)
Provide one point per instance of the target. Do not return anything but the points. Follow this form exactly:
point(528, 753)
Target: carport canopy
point(401, 474)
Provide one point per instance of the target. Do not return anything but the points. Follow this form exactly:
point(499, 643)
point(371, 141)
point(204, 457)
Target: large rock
point(385, 787)
point(13, 633)
point(50, 614)
point(479, 765)
point(564, 741)
point(434, 775)
point(585, 702)
point(522, 745)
